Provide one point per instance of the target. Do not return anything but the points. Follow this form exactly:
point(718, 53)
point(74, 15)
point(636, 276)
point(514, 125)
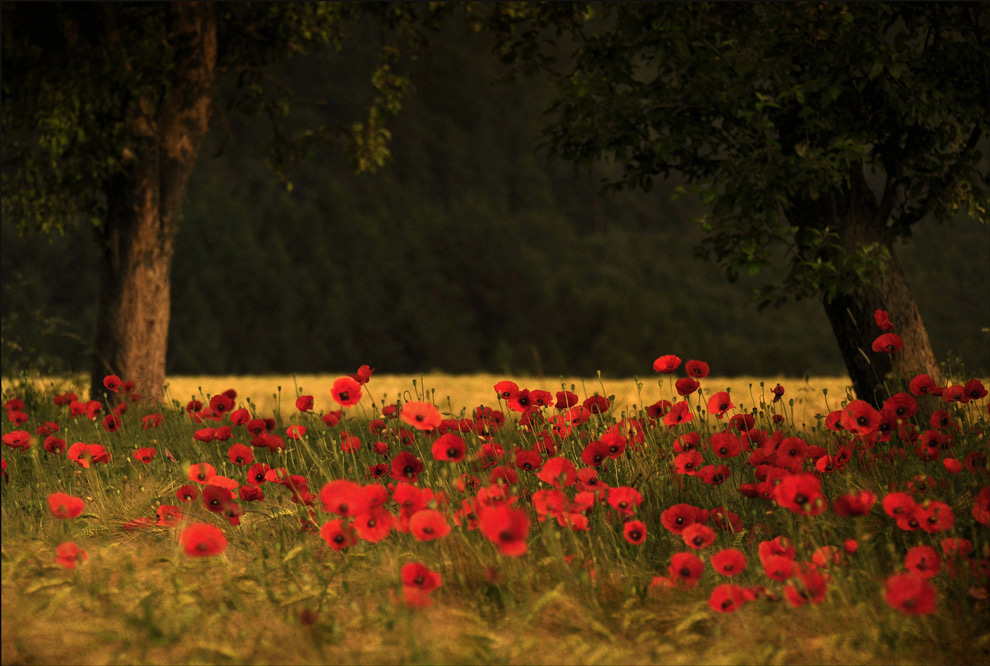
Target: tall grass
point(279, 592)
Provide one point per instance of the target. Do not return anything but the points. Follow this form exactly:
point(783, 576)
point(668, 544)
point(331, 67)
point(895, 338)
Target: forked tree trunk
point(144, 204)
point(876, 375)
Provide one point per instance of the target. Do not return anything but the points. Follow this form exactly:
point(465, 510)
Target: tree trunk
point(853, 214)
point(144, 203)
point(877, 375)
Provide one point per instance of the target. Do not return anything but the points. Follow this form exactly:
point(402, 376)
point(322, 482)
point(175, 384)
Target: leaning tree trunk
point(852, 213)
point(144, 203)
point(875, 375)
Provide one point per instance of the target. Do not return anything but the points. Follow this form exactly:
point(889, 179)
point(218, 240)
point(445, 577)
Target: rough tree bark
point(851, 317)
point(144, 204)
point(855, 215)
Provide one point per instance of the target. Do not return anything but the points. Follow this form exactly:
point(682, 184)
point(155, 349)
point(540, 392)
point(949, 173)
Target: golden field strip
point(456, 393)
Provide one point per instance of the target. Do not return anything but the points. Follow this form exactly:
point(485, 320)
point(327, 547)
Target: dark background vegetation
point(471, 251)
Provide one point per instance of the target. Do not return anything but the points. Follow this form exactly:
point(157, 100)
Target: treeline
point(470, 251)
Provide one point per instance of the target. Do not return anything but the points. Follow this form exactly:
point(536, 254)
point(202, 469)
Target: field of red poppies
point(540, 527)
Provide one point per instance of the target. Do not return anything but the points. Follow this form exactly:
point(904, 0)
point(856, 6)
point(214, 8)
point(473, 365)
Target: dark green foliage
point(467, 252)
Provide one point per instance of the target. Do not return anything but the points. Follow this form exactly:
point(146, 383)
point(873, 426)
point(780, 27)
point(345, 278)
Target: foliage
point(69, 130)
point(477, 249)
point(798, 124)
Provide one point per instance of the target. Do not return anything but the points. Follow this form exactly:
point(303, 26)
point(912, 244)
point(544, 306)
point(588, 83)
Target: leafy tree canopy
point(785, 117)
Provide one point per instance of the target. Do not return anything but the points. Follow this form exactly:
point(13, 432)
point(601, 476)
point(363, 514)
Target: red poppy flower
point(778, 392)
point(295, 431)
point(417, 575)
point(809, 586)
point(910, 594)
point(304, 403)
point(205, 435)
point(449, 448)
point(168, 516)
point(410, 498)
point(55, 444)
point(624, 499)
point(338, 534)
point(550, 503)
point(240, 454)
point(679, 413)
point(921, 385)
point(506, 389)
point(558, 472)
point(215, 498)
point(658, 409)
point(428, 525)
point(85, 454)
point(975, 390)
point(250, 493)
point(348, 443)
point(901, 405)
point(666, 364)
point(405, 467)
point(346, 392)
point(855, 504)
point(689, 441)
point(565, 399)
point(899, 504)
point(883, 320)
point(696, 369)
point(727, 520)
point(719, 404)
point(594, 454)
point(187, 493)
point(421, 415)
point(923, 561)
point(597, 404)
point(698, 536)
point(111, 423)
point(686, 386)
point(221, 404)
point(888, 343)
point(729, 562)
point(507, 528)
point(201, 472)
point(860, 417)
point(65, 506)
point(726, 598)
point(202, 540)
point(144, 455)
point(686, 569)
point(777, 567)
point(935, 517)
point(713, 475)
point(256, 474)
point(68, 555)
point(529, 460)
point(18, 439)
point(801, 493)
point(726, 445)
point(687, 463)
point(955, 547)
point(680, 516)
point(112, 382)
point(374, 525)
point(343, 497)
point(780, 545)
point(634, 531)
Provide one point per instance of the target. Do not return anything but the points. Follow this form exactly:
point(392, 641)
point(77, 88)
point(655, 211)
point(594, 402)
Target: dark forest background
point(470, 251)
